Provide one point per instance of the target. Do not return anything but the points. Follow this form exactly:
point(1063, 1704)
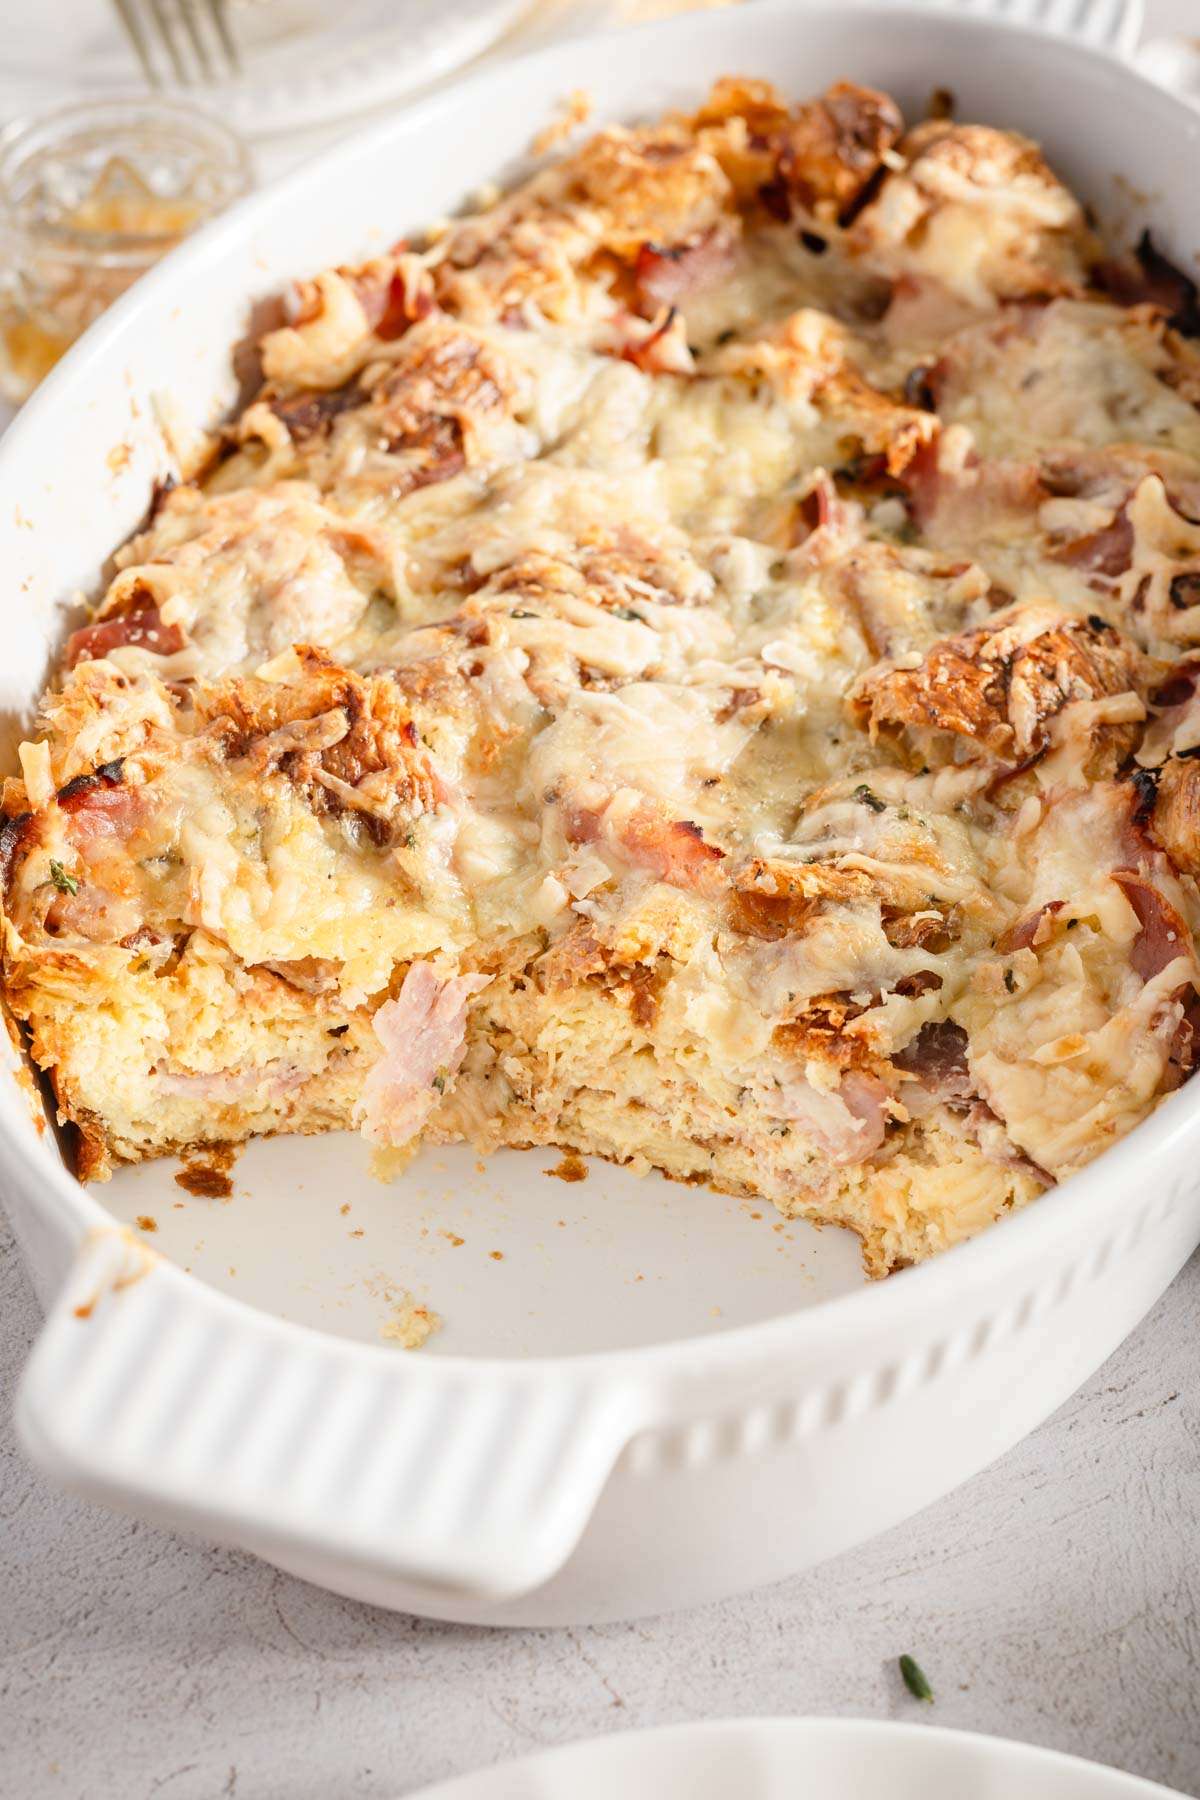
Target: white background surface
point(1056, 1599)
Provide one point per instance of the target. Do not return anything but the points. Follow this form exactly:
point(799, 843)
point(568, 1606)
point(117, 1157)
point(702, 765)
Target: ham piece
point(423, 1034)
point(667, 276)
point(143, 629)
point(847, 1124)
point(1164, 936)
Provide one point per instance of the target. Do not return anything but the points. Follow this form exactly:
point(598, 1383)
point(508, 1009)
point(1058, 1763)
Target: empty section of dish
point(515, 1257)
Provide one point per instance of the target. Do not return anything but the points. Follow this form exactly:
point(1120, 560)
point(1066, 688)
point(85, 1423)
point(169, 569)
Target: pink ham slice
point(672, 850)
point(142, 630)
point(847, 1124)
point(668, 275)
point(423, 1034)
point(1031, 931)
point(269, 1082)
point(1106, 552)
point(99, 809)
point(1164, 935)
point(959, 501)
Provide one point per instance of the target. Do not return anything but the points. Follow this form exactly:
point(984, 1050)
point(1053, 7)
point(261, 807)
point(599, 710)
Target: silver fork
point(183, 41)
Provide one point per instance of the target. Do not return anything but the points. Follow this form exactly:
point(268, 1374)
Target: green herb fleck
point(410, 840)
point(440, 1079)
point(520, 612)
point(914, 1679)
point(627, 612)
point(1010, 981)
point(865, 797)
point(66, 884)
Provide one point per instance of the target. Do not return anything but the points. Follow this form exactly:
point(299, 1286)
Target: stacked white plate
point(305, 62)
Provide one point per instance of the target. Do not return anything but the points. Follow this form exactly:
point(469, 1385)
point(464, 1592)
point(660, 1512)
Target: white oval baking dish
point(674, 1459)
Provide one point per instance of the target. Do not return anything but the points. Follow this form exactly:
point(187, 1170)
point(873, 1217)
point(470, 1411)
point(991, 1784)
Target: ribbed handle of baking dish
point(1108, 24)
point(151, 1392)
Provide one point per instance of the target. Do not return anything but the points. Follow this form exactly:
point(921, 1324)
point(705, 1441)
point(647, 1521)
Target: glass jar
point(90, 197)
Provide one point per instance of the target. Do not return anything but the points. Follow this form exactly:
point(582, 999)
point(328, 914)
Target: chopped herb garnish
point(410, 840)
point(914, 1679)
point(440, 1079)
point(1010, 981)
point(866, 797)
point(66, 884)
point(519, 612)
point(627, 612)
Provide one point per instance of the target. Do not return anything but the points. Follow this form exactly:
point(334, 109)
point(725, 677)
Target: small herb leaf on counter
point(914, 1679)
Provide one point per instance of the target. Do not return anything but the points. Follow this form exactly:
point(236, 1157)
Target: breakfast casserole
point(695, 664)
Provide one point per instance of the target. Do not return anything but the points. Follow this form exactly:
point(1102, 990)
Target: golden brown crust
point(1175, 820)
point(996, 691)
point(834, 146)
point(347, 744)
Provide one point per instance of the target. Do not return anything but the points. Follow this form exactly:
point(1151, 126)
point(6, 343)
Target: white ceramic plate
point(798, 1759)
point(305, 62)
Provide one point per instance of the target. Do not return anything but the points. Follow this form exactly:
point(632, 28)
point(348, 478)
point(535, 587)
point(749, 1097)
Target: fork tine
point(188, 40)
point(188, 13)
point(220, 18)
point(160, 13)
point(128, 13)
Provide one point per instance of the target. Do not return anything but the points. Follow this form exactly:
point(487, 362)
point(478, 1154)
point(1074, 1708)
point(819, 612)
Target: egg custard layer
point(694, 664)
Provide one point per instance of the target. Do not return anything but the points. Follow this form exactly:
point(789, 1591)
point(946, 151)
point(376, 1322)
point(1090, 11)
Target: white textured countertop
point(1055, 1598)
